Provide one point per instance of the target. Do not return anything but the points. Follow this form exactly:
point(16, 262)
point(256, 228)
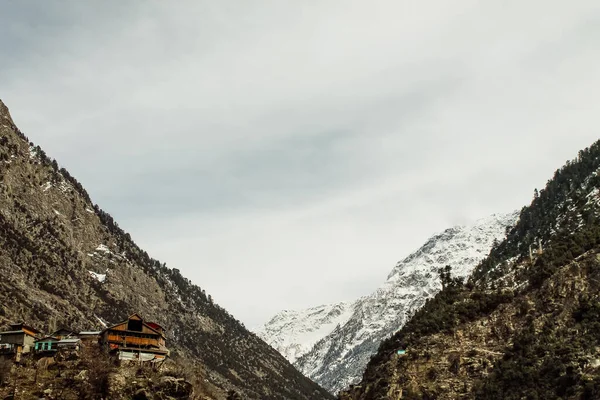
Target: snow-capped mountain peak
point(460, 246)
point(333, 344)
point(294, 333)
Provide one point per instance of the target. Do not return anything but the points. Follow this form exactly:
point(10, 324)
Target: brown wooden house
point(17, 340)
point(135, 340)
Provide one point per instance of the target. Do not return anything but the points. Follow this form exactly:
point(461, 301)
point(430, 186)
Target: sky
point(287, 154)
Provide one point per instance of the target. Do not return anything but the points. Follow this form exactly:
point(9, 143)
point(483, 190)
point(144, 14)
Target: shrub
point(99, 366)
point(5, 369)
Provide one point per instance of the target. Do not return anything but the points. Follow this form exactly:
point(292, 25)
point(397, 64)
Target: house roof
point(47, 339)
point(85, 333)
point(11, 332)
point(68, 341)
point(137, 317)
point(155, 325)
point(19, 327)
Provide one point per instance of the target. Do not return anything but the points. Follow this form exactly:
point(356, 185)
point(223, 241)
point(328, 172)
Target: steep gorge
point(65, 262)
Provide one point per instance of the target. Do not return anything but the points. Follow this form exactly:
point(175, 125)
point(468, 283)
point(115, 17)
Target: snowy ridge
point(294, 333)
point(338, 358)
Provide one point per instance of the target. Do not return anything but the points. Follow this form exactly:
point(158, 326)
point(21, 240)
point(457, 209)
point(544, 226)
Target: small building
point(136, 340)
point(88, 337)
point(52, 344)
point(48, 344)
point(69, 344)
point(17, 340)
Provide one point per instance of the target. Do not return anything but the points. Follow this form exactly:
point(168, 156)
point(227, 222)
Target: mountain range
point(525, 325)
point(332, 344)
point(507, 308)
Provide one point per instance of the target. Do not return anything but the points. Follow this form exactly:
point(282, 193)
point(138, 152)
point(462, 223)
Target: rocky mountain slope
point(66, 262)
point(352, 334)
point(526, 325)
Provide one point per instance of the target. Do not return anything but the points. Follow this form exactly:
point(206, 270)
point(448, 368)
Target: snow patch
point(65, 186)
point(99, 277)
point(103, 248)
point(104, 324)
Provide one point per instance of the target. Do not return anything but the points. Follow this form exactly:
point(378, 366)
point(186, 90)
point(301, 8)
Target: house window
point(134, 325)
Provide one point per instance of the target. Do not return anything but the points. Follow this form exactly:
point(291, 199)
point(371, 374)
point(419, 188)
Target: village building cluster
point(131, 340)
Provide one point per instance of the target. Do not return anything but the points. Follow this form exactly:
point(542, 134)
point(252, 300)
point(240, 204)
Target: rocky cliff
point(65, 262)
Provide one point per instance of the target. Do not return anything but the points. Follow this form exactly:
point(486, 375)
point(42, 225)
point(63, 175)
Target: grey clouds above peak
point(287, 154)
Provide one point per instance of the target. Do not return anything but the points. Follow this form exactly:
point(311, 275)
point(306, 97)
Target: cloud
point(287, 154)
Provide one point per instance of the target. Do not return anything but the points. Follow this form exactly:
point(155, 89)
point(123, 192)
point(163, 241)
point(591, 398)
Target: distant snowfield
point(294, 333)
point(332, 344)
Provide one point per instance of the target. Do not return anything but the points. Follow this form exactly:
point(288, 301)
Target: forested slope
point(525, 325)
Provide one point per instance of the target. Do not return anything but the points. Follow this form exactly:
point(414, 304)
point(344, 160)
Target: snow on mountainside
point(339, 357)
point(294, 333)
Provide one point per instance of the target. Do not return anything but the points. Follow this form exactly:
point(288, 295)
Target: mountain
point(64, 262)
point(294, 333)
point(526, 324)
point(350, 333)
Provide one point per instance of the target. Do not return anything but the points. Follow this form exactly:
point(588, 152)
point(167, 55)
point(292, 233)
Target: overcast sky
point(285, 154)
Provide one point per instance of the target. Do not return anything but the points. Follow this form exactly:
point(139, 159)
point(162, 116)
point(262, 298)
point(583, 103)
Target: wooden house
point(52, 344)
point(88, 337)
point(48, 344)
point(136, 340)
point(17, 340)
point(69, 344)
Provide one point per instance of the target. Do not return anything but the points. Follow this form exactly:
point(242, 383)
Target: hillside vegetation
point(64, 262)
point(525, 325)
point(339, 357)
